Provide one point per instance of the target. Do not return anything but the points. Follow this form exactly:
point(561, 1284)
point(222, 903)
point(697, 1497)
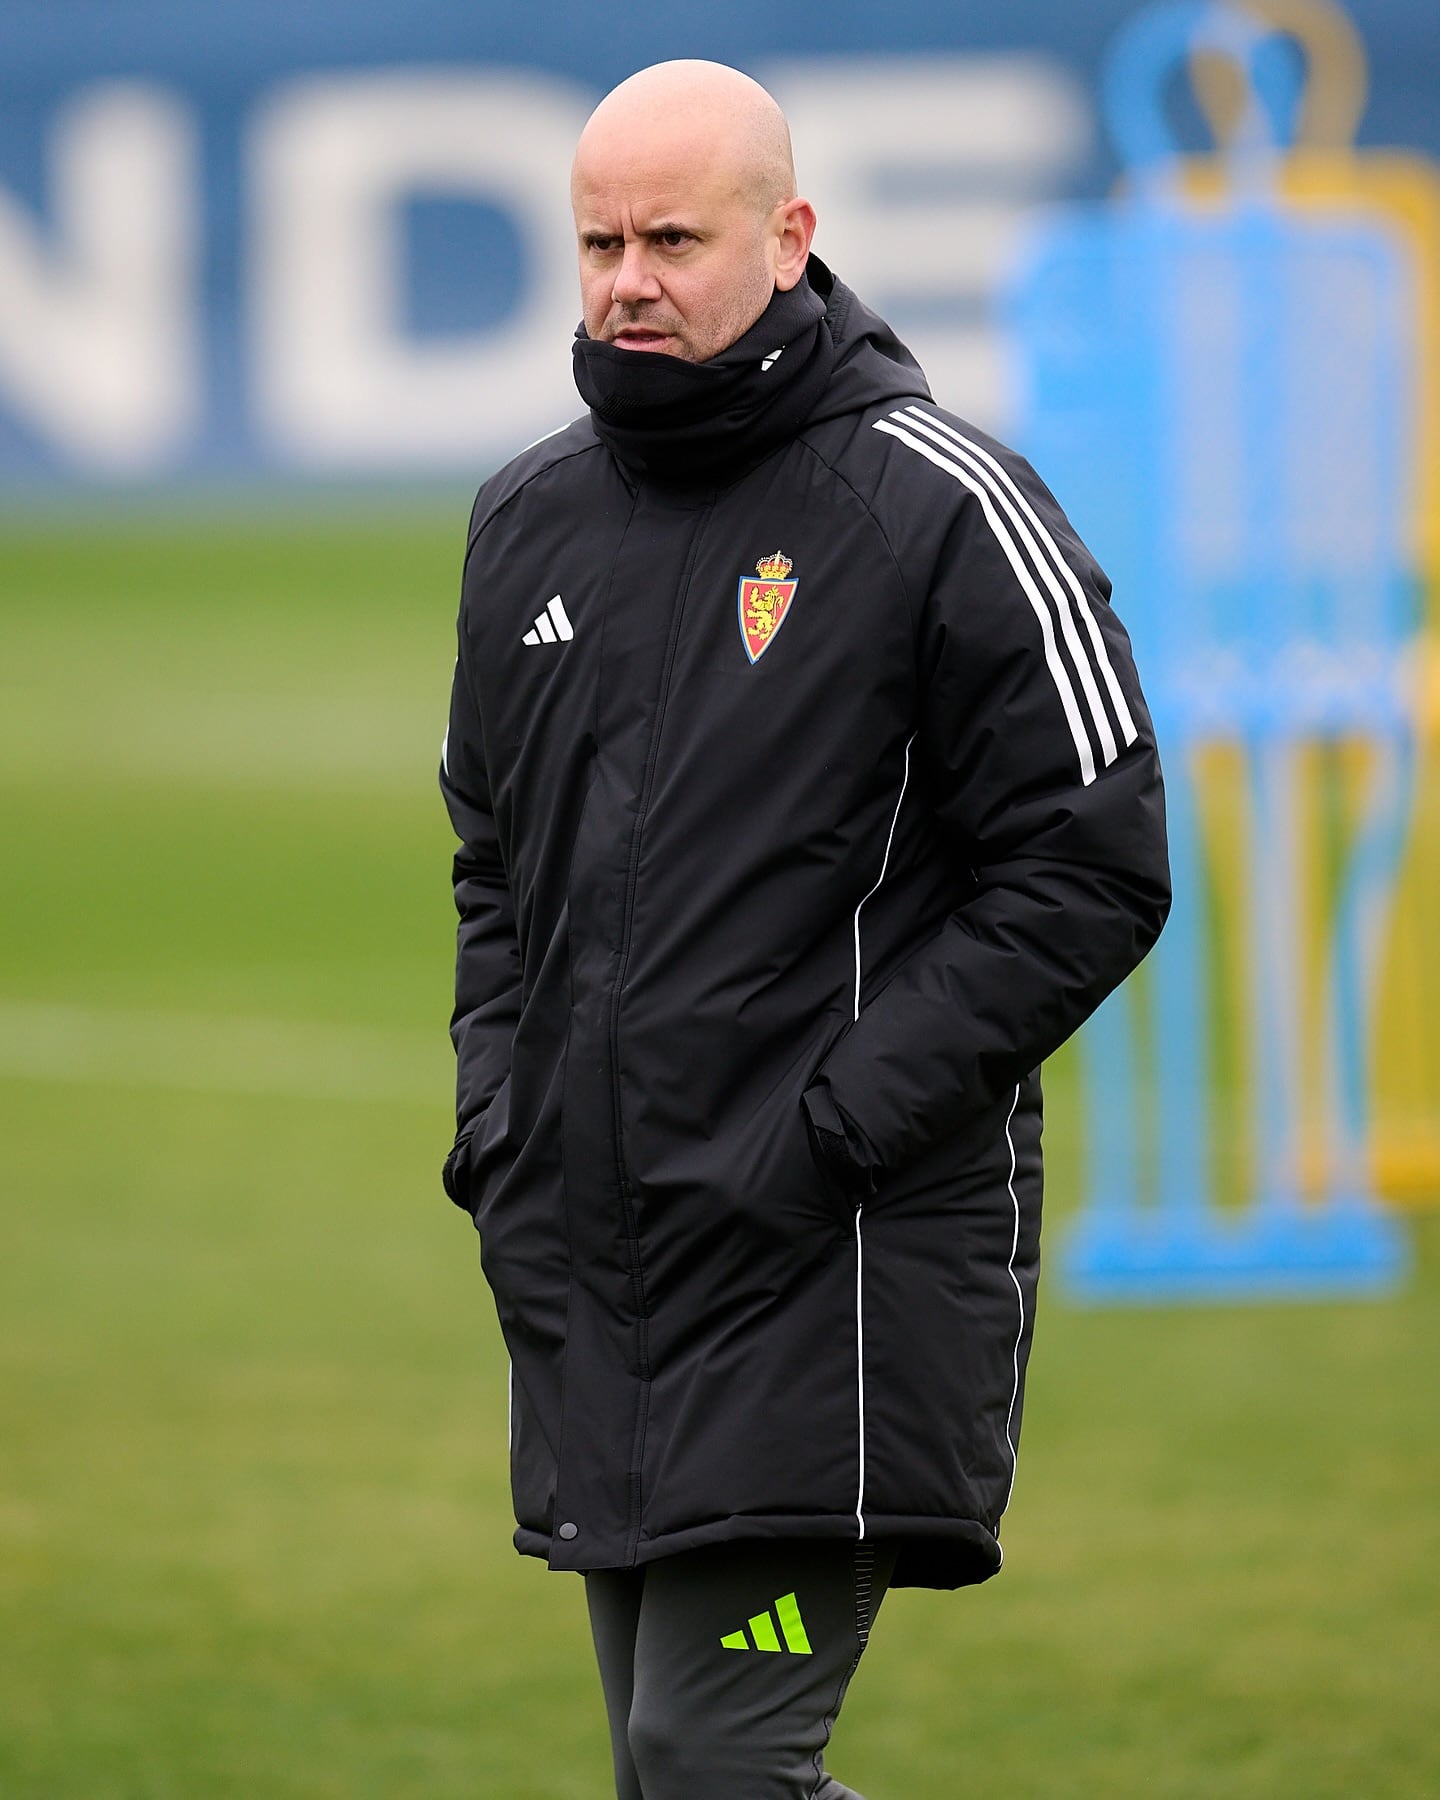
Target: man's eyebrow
point(591, 233)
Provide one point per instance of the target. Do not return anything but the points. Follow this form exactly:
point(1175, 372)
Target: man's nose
point(635, 279)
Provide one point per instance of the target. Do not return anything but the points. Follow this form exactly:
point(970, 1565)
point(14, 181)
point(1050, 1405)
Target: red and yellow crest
point(763, 603)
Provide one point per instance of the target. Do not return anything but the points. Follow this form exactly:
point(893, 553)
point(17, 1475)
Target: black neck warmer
point(688, 424)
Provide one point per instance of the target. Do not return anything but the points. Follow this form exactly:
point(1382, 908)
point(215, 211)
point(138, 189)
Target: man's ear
point(795, 229)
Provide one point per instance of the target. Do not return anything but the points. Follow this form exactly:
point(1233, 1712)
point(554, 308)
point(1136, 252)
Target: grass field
point(254, 1528)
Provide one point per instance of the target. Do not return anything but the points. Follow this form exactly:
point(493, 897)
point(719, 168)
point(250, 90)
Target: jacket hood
point(871, 364)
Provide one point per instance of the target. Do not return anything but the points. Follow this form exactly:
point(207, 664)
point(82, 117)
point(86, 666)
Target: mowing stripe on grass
point(222, 1054)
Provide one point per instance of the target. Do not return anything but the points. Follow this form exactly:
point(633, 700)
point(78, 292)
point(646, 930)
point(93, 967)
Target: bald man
point(807, 801)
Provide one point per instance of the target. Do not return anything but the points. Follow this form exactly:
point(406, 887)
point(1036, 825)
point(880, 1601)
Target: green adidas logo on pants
point(762, 1630)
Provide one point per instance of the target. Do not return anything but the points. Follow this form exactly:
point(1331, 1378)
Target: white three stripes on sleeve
point(1000, 481)
point(974, 468)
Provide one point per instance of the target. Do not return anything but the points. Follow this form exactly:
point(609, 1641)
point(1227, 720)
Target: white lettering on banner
point(338, 382)
point(924, 172)
point(98, 334)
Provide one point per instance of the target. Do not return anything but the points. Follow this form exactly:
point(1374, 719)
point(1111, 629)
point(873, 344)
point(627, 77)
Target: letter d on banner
point(338, 383)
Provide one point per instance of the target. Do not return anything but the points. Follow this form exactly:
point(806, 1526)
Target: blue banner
point(334, 242)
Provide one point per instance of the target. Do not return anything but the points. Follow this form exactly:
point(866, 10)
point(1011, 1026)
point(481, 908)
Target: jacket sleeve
point(487, 959)
point(1034, 747)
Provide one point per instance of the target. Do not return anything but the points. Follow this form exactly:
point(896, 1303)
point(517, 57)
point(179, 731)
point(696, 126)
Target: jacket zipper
point(627, 1193)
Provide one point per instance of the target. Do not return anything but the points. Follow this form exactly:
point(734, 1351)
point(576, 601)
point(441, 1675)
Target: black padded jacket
point(805, 807)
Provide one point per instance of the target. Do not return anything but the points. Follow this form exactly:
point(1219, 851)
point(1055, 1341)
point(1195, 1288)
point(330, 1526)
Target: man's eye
point(674, 239)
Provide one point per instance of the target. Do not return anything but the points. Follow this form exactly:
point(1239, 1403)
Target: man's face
point(674, 256)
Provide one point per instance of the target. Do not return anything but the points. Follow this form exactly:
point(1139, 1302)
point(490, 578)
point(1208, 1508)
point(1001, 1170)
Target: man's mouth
point(640, 337)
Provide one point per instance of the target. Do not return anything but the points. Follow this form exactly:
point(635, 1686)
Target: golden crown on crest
point(774, 567)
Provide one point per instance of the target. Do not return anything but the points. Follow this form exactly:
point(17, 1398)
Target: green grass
point(254, 1528)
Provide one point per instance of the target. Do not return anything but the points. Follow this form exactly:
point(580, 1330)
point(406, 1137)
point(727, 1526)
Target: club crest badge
point(764, 601)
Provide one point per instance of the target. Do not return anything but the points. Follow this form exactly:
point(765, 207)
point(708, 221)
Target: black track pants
point(724, 1669)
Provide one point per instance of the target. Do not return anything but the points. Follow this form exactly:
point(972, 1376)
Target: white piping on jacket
point(859, 1244)
point(885, 864)
point(1020, 1304)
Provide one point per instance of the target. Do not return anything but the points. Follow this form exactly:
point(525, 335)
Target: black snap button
point(569, 1531)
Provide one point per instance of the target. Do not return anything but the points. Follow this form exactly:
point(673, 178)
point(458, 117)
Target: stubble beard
point(732, 324)
point(640, 318)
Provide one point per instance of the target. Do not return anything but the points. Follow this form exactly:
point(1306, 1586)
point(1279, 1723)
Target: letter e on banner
point(923, 171)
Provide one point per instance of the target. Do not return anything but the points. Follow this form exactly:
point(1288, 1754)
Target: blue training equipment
point(1219, 392)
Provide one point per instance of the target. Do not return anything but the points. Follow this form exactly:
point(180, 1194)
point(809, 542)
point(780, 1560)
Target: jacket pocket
point(830, 1145)
point(481, 1154)
point(784, 1176)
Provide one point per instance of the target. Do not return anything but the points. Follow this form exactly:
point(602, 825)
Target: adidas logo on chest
point(551, 626)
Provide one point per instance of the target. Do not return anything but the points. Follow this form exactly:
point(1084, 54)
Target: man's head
point(685, 209)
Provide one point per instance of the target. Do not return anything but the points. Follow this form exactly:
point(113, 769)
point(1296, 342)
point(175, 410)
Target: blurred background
point(278, 286)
